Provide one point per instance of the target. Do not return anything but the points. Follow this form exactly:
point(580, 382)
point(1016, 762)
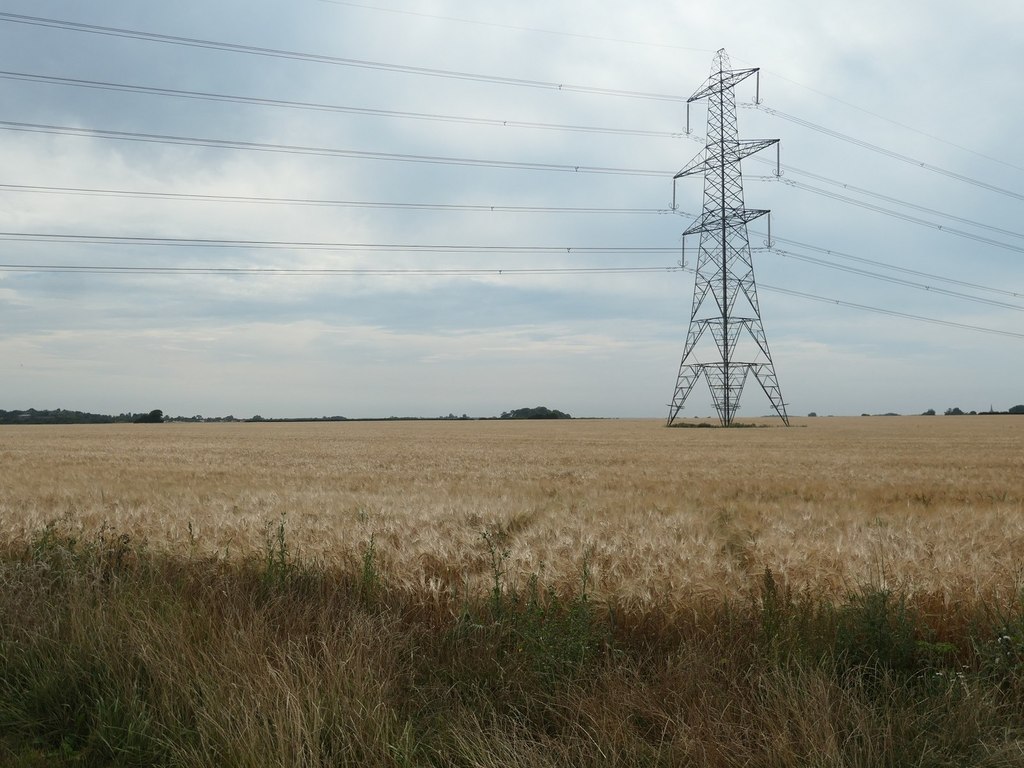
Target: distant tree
point(153, 417)
point(812, 413)
point(540, 412)
point(929, 412)
point(954, 412)
point(1017, 409)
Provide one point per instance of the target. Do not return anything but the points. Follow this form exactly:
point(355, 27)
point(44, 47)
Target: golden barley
point(930, 504)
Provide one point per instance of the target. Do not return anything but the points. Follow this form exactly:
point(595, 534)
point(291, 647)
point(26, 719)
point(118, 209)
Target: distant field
point(916, 503)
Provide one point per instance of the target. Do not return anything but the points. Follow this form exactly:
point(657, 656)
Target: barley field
point(922, 503)
point(844, 592)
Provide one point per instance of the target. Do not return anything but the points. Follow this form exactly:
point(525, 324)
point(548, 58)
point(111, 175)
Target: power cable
point(320, 272)
point(256, 50)
point(891, 312)
point(186, 242)
point(896, 280)
point(683, 48)
point(445, 248)
point(232, 98)
point(516, 209)
point(192, 197)
point(887, 119)
point(63, 130)
point(460, 161)
point(879, 196)
point(319, 58)
point(904, 270)
point(888, 152)
point(907, 217)
point(320, 107)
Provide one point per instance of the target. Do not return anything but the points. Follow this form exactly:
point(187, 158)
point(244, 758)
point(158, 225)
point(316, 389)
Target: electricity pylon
point(725, 306)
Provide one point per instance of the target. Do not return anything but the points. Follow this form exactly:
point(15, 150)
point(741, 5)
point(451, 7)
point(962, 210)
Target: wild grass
point(585, 593)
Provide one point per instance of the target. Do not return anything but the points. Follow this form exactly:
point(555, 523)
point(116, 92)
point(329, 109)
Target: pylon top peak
point(721, 61)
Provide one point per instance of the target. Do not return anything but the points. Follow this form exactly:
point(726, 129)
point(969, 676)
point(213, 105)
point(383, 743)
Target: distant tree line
point(64, 416)
point(1016, 409)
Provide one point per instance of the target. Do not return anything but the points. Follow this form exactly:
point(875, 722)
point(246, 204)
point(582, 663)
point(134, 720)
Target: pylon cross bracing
point(725, 330)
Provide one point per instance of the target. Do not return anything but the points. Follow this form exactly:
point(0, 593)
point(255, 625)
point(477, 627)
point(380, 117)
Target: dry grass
point(927, 504)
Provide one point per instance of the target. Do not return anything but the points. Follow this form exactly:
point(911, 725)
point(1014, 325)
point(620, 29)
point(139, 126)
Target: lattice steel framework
point(725, 307)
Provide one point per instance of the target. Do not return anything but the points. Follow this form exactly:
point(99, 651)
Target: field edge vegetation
point(116, 653)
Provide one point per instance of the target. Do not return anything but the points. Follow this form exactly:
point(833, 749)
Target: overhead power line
point(912, 219)
point(260, 101)
point(449, 248)
point(496, 122)
point(407, 69)
point(458, 272)
point(895, 268)
point(256, 50)
point(321, 107)
point(896, 280)
point(232, 98)
point(193, 197)
point(892, 312)
point(63, 130)
point(888, 152)
point(188, 242)
point(880, 196)
point(138, 194)
point(322, 271)
point(887, 119)
point(648, 44)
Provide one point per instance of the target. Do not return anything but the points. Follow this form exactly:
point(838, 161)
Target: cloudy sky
point(356, 270)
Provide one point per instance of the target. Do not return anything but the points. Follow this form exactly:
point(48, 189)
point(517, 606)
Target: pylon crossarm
point(746, 147)
point(734, 152)
point(720, 81)
point(697, 165)
point(711, 221)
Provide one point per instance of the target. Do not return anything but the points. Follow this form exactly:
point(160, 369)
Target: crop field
point(847, 591)
point(923, 503)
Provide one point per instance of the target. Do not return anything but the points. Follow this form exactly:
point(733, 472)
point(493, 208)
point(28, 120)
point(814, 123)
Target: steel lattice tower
point(725, 306)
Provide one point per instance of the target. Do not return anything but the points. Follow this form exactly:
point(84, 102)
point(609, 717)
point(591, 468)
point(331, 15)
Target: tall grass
point(112, 653)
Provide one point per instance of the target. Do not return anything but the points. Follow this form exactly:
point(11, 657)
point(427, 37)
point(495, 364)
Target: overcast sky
point(933, 87)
